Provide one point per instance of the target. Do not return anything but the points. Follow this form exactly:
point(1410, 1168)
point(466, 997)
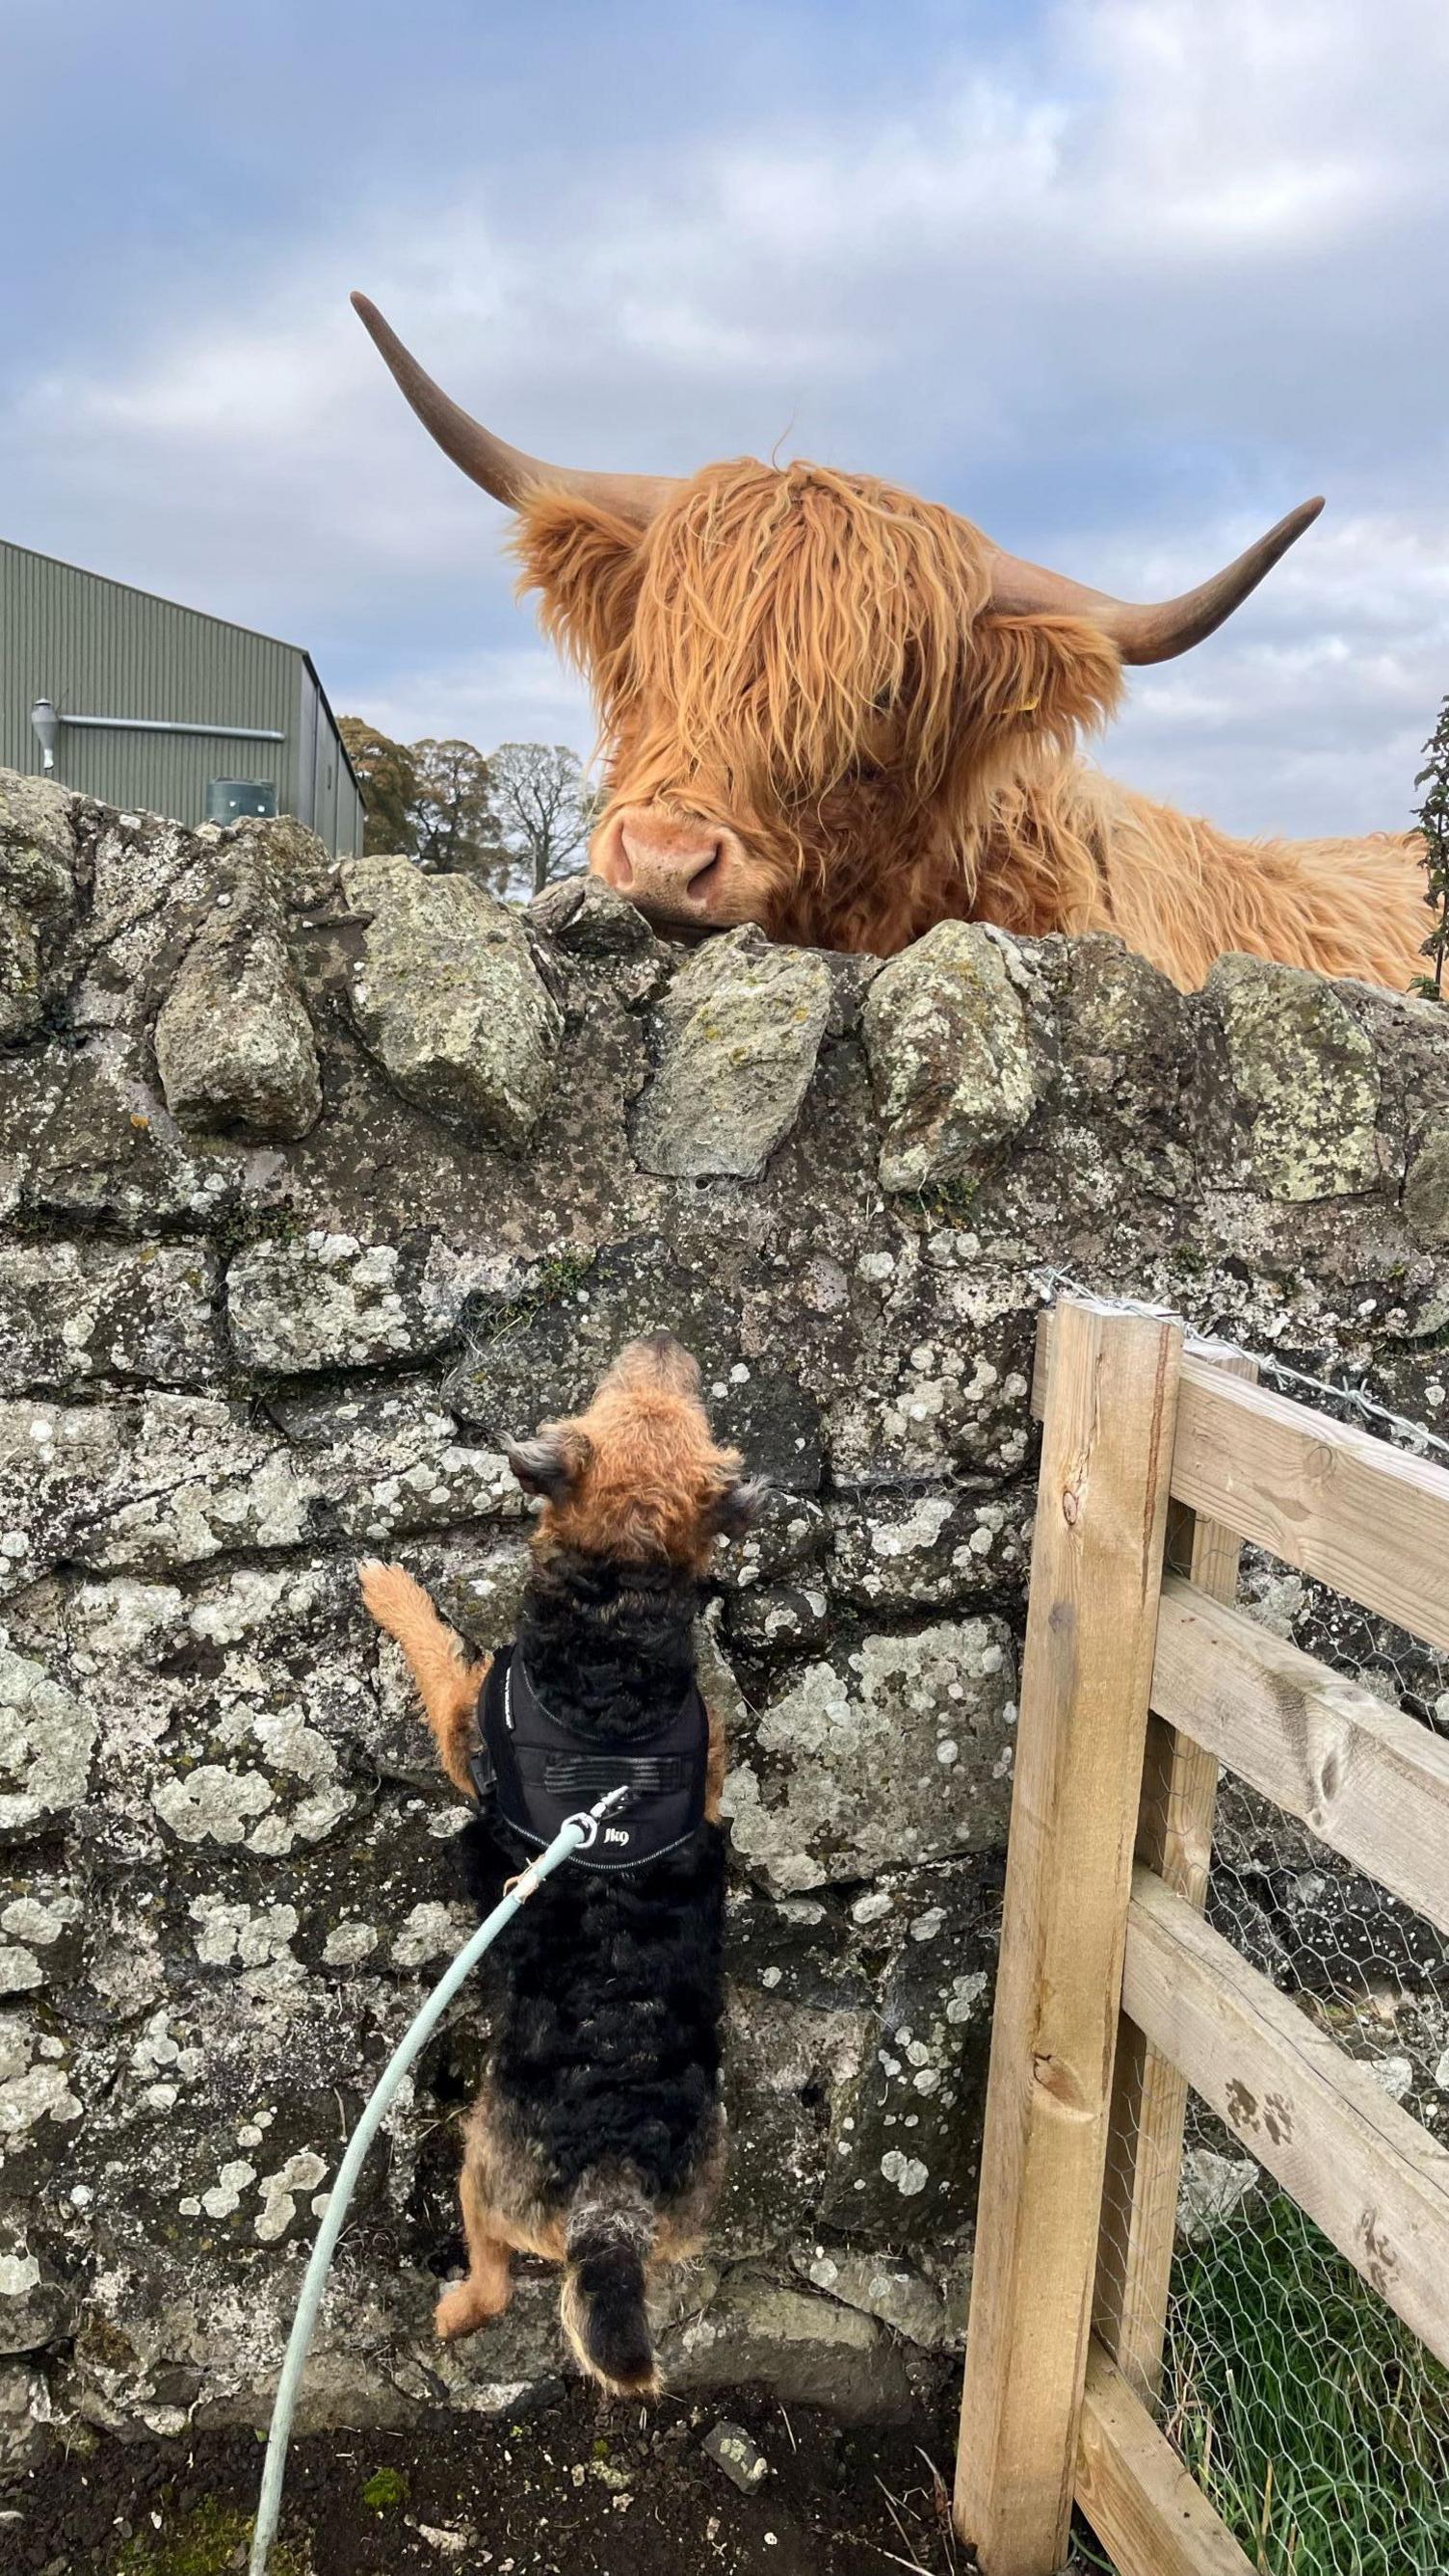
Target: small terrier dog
point(597, 2139)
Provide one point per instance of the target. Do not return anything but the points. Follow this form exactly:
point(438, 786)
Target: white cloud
point(523, 695)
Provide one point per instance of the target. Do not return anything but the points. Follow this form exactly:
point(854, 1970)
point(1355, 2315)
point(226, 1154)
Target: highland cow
point(843, 713)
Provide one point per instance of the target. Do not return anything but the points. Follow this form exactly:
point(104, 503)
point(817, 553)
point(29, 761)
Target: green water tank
point(227, 799)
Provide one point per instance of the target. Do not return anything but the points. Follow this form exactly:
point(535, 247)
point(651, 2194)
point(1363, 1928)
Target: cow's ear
point(585, 564)
point(1055, 677)
point(551, 1464)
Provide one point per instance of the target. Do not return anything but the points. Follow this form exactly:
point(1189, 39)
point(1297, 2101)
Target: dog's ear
point(552, 1463)
point(737, 1505)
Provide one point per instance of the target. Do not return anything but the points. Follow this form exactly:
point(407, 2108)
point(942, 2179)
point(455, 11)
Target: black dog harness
point(534, 1771)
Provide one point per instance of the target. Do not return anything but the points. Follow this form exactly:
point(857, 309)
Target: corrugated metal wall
point(351, 821)
point(95, 647)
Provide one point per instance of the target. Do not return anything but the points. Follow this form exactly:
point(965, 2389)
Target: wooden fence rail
point(1134, 2490)
point(1334, 1502)
point(1368, 1781)
point(1115, 1996)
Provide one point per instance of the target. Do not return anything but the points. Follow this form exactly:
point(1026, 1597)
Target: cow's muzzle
point(682, 874)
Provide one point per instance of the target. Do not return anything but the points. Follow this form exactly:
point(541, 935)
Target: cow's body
point(842, 712)
point(1078, 852)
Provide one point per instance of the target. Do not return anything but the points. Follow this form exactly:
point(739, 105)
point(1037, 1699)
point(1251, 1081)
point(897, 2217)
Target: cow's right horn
point(507, 472)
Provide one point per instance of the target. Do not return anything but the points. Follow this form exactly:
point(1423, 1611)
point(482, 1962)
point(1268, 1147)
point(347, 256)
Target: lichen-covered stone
point(742, 1025)
point(449, 999)
point(234, 1043)
point(41, 1922)
point(1426, 1192)
point(740, 2458)
point(35, 2305)
point(1307, 1075)
point(923, 2310)
point(808, 2349)
point(950, 1055)
point(152, 885)
point(40, 2110)
point(96, 1146)
point(545, 1357)
point(779, 1618)
point(38, 866)
point(168, 1480)
point(26, 2419)
point(789, 2059)
point(73, 1313)
point(330, 1301)
point(930, 1551)
point(1213, 2187)
point(586, 918)
point(46, 1742)
point(1122, 1011)
point(905, 2136)
point(1124, 1034)
point(390, 1463)
point(941, 1394)
point(899, 1750)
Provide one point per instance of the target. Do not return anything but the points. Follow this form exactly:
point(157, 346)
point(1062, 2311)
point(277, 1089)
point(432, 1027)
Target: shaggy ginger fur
point(800, 664)
point(597, 2139)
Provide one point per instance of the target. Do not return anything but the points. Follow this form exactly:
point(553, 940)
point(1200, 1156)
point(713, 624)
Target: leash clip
point(588, 1821)
point(590, 1818)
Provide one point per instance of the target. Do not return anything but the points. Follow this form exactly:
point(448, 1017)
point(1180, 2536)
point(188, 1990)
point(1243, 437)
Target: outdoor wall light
point(45, 725)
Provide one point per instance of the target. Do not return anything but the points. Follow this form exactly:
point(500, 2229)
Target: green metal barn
point(148, 705)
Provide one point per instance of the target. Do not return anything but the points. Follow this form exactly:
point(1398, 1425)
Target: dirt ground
point(577, 2490)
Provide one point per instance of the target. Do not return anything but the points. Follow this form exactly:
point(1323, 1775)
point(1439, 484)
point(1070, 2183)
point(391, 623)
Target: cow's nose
point(672, 873)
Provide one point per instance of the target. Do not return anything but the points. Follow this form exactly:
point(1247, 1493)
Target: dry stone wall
point(314, 1184)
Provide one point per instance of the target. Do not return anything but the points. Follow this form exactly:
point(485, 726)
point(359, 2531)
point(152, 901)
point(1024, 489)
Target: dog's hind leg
point(449, 1685)
point(488, 2287)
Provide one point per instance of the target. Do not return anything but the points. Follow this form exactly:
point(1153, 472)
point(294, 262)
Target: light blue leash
point(576, 1833)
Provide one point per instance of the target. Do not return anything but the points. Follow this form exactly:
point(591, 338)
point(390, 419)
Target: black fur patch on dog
point(606, 1991)
point(609, 1647)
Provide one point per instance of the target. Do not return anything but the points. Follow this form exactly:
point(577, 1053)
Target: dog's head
point(639, 1474)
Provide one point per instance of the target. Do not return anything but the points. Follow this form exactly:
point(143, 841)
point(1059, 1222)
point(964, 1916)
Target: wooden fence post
point(1086, 1675)
point(1149, 2097)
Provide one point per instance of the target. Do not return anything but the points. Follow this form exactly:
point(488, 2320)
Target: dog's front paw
point(376, 1581)
point(463, 2309)
point(392, 1596)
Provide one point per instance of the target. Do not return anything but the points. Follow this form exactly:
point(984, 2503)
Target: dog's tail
point(603, 2301)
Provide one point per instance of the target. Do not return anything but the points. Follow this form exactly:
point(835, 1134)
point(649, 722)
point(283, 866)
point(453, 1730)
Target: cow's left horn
point(1146, 634)
point(507, 472)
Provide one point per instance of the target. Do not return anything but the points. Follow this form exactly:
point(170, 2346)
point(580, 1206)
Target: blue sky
point(1122, 279)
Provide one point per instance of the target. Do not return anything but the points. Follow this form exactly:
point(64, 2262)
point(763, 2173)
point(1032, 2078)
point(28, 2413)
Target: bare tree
point(541, 811)
point(451, 819)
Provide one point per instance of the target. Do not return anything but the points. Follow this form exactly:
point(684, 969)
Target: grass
point(1317, 2425)
point(559, 1278)
point(385, 2491)
point(204, 2542)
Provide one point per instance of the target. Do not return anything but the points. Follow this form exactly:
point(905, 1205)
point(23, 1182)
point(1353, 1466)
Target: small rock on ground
point(731, 2449)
